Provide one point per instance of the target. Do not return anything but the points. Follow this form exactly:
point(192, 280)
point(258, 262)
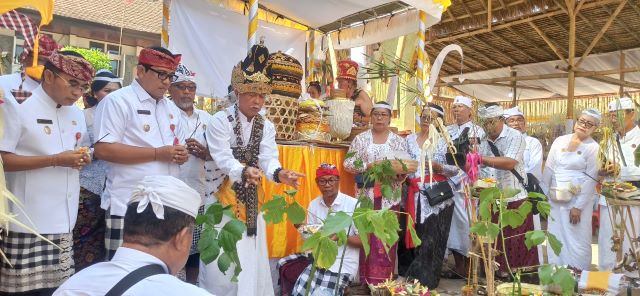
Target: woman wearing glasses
point(432, 221)
point(88, 234)
point(375, 144)
point(569, 176)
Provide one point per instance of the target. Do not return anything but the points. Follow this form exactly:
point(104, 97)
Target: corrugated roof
point(139, 15)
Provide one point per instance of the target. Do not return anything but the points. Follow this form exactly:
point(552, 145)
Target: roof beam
point(626, 28)
point(586, 20)
point(567, 31)
point(540, 77)
point(591, 4)
point(548, 41)
point(523, 37)
point(480, 53)
point(496, 50)
point(522, 51)
point(614, 81)
point(602, 31)
point(519, 86)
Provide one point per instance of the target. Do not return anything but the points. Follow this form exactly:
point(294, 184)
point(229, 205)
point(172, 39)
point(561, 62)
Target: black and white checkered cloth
point(113, 234)
point(196, 235)
point(34, 263)
point(323, 279)
point(290, 258)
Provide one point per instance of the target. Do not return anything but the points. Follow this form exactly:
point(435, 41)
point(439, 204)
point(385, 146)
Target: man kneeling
point(331, 200)
point(158, 229)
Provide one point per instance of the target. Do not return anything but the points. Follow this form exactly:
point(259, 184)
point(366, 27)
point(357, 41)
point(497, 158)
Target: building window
point(96, 45)
point(115, 67)
point(113, 49)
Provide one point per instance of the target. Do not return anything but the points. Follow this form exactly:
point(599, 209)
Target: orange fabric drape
point(283, 239)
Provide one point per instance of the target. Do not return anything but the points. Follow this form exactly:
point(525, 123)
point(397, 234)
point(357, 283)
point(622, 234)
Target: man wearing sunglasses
point(42, 151)
point(193, 172)
point(140, 133)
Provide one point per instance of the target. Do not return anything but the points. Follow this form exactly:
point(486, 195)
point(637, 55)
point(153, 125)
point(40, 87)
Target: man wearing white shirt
point(192, 172)
point(42, 152)
point(19, 86)
point(140, 133)
point(459, 235)
point(331, 200)
point(243, 147)
point(158, 232)
point(621, 155)
point(533, 152)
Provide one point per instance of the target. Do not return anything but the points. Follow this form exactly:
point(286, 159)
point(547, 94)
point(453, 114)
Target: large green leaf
point(325, 253)
point(235, 227)
point(201, 219)
point(274, 209)
point(364, 227)
point(215, 212)
point(336, 222)
point(479, 228)
point(493, 230)
point(512, 218)
point(555, 244)
point(509, 192)
point(544, 208)
point(485, 209)
point(387, 191)
point(342, 237)
point(365, 202)
point(536, 196)
point(224, 261)
point(491, 194)
point(525, 208)
point(311, 242)
point(295, 213)
point(565, 280)
point(209, 253)
point(534, 238)
point(291, 193)
point(545, 272)
point(414, 236)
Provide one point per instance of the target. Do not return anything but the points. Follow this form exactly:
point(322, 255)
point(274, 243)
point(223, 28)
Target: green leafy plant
point(493, 201)
point(220, 242)
point(98, 59)
point(333, 234)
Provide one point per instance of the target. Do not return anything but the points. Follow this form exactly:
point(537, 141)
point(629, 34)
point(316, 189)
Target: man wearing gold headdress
point(348, 81)
point(242, 145)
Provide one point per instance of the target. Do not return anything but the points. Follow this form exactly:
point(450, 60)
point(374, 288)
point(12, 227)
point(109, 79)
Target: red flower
point(78, 136)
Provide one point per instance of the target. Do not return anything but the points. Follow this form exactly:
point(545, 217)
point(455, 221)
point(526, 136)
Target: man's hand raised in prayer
point(290, 178)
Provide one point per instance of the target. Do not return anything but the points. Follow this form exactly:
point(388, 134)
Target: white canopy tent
point(213, 38)
point(549, 88)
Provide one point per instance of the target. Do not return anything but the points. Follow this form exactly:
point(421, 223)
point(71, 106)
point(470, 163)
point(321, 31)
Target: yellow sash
point(227, 197)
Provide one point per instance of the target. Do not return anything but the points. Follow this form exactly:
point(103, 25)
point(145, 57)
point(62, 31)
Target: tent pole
point(253, 24)
point(514, 88)
point(622, 62)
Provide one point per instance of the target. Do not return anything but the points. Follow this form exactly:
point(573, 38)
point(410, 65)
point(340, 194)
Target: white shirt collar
point(633, 133)
point(128, 255)
point(142, 94)
point(42, 95)
point(336, 202)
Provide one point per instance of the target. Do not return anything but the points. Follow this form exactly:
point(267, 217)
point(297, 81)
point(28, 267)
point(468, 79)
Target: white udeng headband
point(108, 79)
point(436, 110)
point(383, 106)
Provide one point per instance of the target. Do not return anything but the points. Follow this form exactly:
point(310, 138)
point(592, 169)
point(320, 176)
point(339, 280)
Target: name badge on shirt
point(44, 121)
point(144, 112)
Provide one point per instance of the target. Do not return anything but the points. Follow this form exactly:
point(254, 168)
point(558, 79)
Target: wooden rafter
point(607, 79)
point(548, 41)
point(540, 77)
point(579, 40)
point(522, 51)
point(450, 38)
point(481, 54)
point(586, 20)
point(489, 14)
point(484, 12)
point(602, 31)
point(534, 44)
point(626, 28)
point(466, 7)
point(496, 50)
point(537, 88)
point(453, 17)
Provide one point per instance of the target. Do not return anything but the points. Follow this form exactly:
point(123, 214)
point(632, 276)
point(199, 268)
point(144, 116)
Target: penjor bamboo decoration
point(253, 24)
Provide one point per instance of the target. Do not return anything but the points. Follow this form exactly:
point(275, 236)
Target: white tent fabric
point(213, 39)
point(551, 87)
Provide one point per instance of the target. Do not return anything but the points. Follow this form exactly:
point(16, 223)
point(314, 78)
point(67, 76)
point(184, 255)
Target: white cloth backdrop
point(213, 39)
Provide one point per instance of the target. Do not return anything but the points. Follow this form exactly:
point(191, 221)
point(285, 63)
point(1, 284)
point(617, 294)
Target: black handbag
point(437, 193)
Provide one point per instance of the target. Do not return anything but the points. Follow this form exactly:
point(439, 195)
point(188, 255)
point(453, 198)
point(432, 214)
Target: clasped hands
point(253, 176)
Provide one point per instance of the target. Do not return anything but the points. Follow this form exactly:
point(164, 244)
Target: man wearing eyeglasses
point(192, 172)
point(43, 151)
point(331, 200)
point(140, 133)
point(502, 153)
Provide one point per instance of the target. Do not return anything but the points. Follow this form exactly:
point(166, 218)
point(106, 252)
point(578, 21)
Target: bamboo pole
point(571, 7)
point(548, 41)
point(514, 88)
point(489, 15)
point(253, 24)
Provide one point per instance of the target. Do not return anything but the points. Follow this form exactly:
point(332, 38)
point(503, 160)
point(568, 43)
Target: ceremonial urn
point(341, 109)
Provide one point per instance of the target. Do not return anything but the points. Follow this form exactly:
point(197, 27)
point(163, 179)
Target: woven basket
point(341, 120)
point(282, 111)
point(412, 165)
